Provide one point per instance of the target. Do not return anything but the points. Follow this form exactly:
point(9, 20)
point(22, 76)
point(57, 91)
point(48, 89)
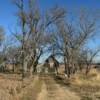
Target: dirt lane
point(44, 87)
point(32, 91)
point(53, 91)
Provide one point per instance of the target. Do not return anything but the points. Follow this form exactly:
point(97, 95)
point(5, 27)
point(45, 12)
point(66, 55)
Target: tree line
point(57, 31)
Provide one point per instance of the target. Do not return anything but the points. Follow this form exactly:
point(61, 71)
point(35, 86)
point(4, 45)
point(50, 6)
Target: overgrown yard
point(49, 87)
point(50, 50)
point(87, 87)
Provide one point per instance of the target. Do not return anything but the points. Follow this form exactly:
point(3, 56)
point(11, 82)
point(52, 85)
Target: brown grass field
point(49, 87)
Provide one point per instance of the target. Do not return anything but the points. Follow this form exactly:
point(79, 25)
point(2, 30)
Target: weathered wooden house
point(50, 65)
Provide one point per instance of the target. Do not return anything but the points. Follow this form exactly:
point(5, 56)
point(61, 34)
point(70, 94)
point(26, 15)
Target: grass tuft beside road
point(32, 92)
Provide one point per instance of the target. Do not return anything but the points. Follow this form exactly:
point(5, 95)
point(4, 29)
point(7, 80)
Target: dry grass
point(53, 91)
point(32, 91)
point(12, 88)
point(87, 87)
point(78, 87)
point(9, 87)
point(93, 78)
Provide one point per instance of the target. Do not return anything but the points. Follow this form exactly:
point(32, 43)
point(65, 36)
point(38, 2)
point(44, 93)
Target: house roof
point(51, 58)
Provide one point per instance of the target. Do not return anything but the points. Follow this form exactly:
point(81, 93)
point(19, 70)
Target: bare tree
point(32, 36)
point(2, 35)
point(72, 39)
point(87, 58)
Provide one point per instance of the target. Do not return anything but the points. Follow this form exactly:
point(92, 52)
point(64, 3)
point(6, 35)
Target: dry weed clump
point(93, 78)
point(4, 95)
point(9, 88)
point(87, 86)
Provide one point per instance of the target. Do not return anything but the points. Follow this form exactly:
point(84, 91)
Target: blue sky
point(8, 18)
point(7, 9)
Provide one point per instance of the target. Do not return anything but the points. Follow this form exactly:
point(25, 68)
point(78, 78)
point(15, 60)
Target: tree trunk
point(67, 68)
point(68, 71)
point(35, 66)
point(87, 69)
point(13, 68)
point(65, 65)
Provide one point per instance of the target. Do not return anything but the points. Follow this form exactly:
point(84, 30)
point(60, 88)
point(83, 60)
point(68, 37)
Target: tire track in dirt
point(32, 91)
point(53, 91)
